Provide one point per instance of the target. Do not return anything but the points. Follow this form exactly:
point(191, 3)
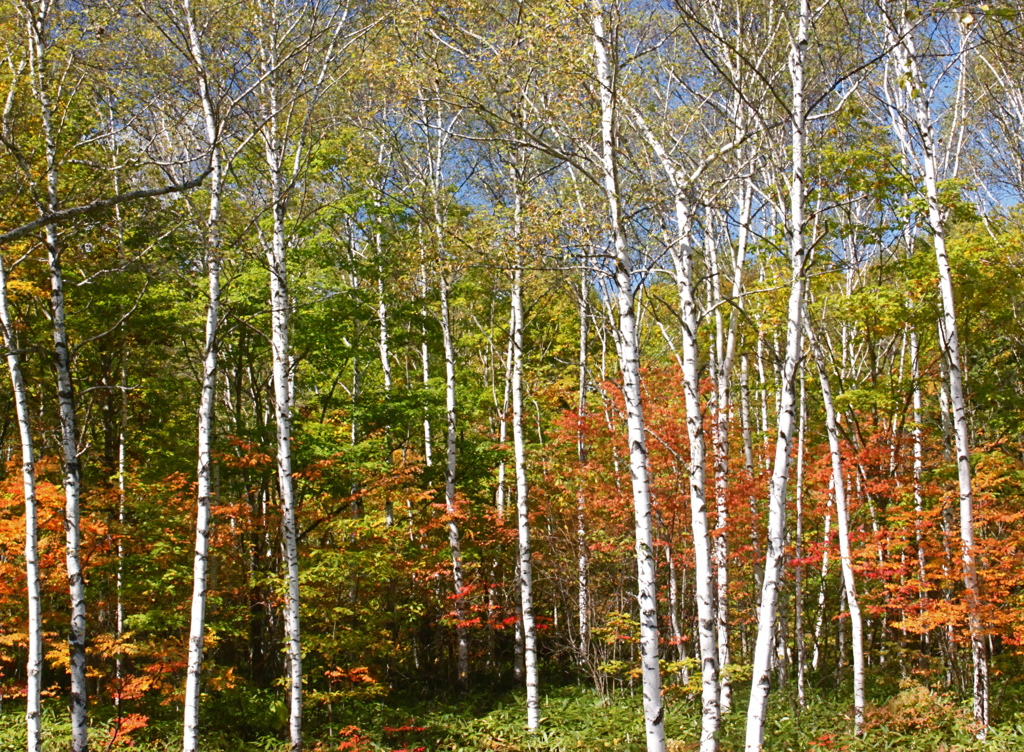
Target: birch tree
point(525, 564)
point(912, 116)
point(843, 525)
point(296, 48)
point(197, 627)
point(627, 342)
point(39, 20)
point(34, 664)
point(799, 258)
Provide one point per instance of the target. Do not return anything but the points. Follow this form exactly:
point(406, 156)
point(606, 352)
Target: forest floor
point(914, 719)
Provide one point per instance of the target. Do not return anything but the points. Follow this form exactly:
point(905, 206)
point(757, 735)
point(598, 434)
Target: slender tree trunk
point(820, 618)
point(798, 551)
point(725, 348)
point(915, 375)
point(917, 92)
point(454, 538)
point(281, 350)
point(794, 325)
point(522, 501)
point(385, 364)
point(428, 450)
point(280, 314)
point(629, 358)
point(748, 466)
point(673, 603)
point(845, 556)
point(122, 504)
point(38, 20)
point(72, 492)
point(499, 497)
point(200, 563)
point(583, 559)
point(711, 643)
point(34, 665)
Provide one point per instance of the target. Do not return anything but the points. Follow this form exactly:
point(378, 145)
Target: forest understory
point(903, 716)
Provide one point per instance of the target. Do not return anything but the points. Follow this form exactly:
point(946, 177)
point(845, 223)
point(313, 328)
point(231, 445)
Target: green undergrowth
point(912, 719)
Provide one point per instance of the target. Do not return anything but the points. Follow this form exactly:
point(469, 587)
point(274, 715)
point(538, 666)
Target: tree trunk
point(522, 505)
point(280, 314)
point(711, 644)
point(845, 556)
point(34, 666)
point(794, 324)
point(200, 563)
point(39, 42)
point(454, 538)
point(629, 359)
point(798, 551)
point(917, 93)
point(583, 559)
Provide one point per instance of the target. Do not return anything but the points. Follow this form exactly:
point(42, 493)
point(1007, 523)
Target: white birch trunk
point(34, 665)
point(454, 538)
point(845, 557)
point(673, 604)
point(522, 502)
point(34, 662)
point(38, 19)
point(915, 375)
point(72, 493)
point(794, 324)
point(916, 88)
point(713, 642)
point(280, 309)
point(385, 364)
point(820, 618)
point(629, 358)
point(798, 550)
point(499, 497)
point(122, 501)
point(725, 347)
point(583, 559)
point(281, 352)
point(200, 563)
point(428, 449)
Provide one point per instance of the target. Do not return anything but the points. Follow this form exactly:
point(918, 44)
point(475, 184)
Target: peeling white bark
point(200, 563)
point(525, 567)
point(761, 679)
point(34, 664)
point(845, 556)
point(629, 359)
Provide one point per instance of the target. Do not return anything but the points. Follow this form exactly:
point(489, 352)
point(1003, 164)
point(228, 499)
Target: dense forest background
point(511, 375)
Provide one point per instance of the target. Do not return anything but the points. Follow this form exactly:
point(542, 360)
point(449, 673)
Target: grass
point(913, 719)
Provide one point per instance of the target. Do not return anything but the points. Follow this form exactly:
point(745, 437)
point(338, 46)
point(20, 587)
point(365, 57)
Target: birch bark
point(901, 35)
point(38, 19)
point(780, 473)
point(713, 642)
point(583, 559)
point(845, 556)
point(34, 662)
point(34, 665)
point(725, 349)
point(190, 741)
point(629, 359)
point(798, 550)
point(525, 567)
point(451, 511)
